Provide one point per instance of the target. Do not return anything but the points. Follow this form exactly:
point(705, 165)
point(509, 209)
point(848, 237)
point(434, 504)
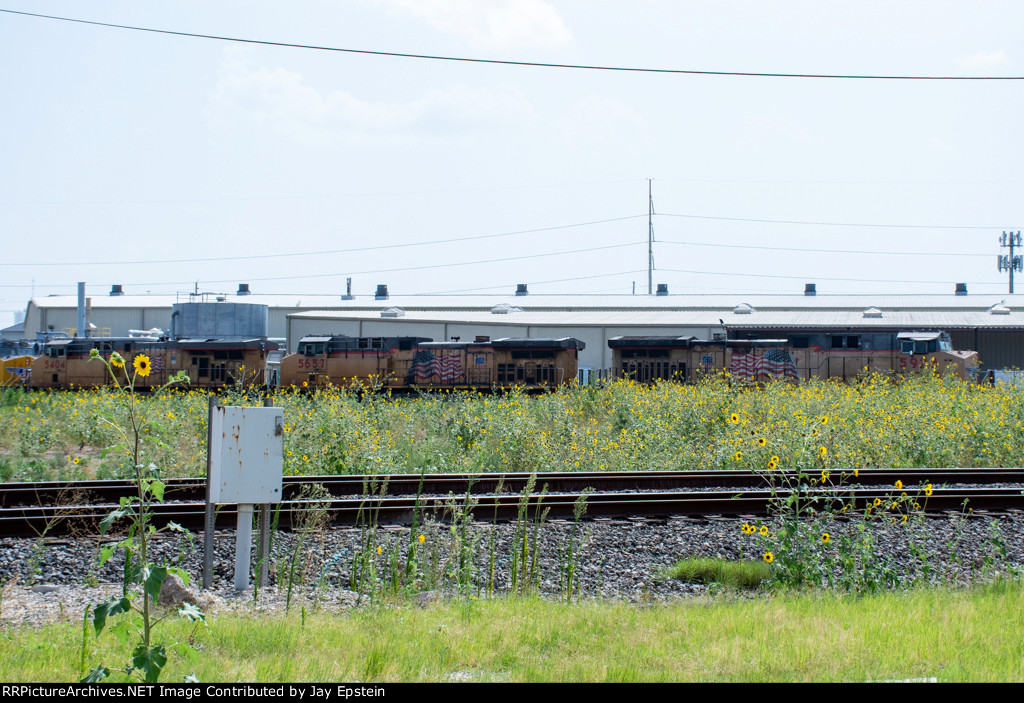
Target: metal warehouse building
point(991, 324)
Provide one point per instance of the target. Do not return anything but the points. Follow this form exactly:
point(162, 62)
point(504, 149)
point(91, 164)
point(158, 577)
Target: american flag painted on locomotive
point(425, 366)
point(776, 363)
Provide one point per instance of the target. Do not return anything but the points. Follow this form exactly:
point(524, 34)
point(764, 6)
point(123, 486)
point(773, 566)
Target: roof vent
point(482, 338)
point(382, 292)
point(243, 289)
point(872, 312)
point(521, 289)
point(662, 289)
point(999, 309)
point(392, 312)
point(810, 289)
point(348, 290)
point(505, 309)
point(221, 298)
point(744, 309)
point(116, 289)
point(961, 289)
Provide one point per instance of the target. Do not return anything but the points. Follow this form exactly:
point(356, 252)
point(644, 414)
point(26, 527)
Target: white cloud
point(984, 59)
point(490, 24)
point(282, 101)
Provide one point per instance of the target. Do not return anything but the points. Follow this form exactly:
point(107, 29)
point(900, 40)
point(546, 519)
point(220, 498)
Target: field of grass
point(927, 421)
point(974, 635)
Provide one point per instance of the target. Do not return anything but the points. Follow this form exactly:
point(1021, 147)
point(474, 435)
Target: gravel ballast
point(47, 580)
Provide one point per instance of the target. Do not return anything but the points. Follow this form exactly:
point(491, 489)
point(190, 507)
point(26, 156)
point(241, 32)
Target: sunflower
point(826, 538)
point(422, 538)
point(822, 452)
point(769, 557)
point(761, 441)
point(734, 418)
point(142, 365)
point(928, 490)
point(878, 501)
point(899, 485)
point(764, 530)
point(117, 360)
point(737, 456)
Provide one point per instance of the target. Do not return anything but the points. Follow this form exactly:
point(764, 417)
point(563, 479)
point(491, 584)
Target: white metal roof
point(924, 319)
point(530, 302)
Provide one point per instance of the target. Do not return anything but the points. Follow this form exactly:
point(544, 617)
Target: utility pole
point(650, 240)
point(1013, 262)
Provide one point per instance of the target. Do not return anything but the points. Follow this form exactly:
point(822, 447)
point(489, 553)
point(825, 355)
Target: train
point(209, 363)
point(409, 363)
point(798, 358)
point(418, 363)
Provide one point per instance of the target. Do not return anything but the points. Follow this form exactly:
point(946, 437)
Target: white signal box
point(246, 455)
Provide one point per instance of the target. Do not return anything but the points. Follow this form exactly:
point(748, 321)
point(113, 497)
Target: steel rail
point(191, 489)
point(52, 521)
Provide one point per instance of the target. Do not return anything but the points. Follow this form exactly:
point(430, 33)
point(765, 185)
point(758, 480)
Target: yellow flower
point(761, 441)
point(142, 365)
point(769, 557)
point(305, 384)
point(928, 490)
point(734, 418)
point(772, 466)
point(826, 538)
point(824, 420)
point(824, 476)
point(378, 550)
point(117, 360)
point(822, 452)
point(899, 485)
point(76, 460)
point(422, 539)
point(764, 530)
point(878, 501)
point(737, 456)
point(775, 459)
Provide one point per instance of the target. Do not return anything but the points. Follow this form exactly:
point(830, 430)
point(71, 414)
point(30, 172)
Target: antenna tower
point(1012, 262)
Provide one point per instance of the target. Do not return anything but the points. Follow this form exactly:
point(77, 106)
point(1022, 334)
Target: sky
point(169, 163)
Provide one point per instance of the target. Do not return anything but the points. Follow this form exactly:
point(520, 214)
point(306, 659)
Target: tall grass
point(973, 635)
point(922, 421)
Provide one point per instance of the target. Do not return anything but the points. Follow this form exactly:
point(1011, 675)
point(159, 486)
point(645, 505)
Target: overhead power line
point(530, 283)
point(339, 274)
point(500, 62)
point(823, 251)
point(827, 224)
point(812, 278)
point(320, 253)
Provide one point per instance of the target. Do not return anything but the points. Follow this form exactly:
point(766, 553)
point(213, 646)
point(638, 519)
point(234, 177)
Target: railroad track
point(62, 508)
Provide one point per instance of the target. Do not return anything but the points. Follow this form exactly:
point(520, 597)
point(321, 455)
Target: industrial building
point(991, 324)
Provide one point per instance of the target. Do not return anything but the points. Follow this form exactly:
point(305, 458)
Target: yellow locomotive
point(209, 363)
point(798, 358)
point(405, 363)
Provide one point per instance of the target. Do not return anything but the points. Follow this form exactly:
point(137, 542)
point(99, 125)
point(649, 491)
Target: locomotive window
point(55, 352)
point(800, 341)
point(533, 354)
